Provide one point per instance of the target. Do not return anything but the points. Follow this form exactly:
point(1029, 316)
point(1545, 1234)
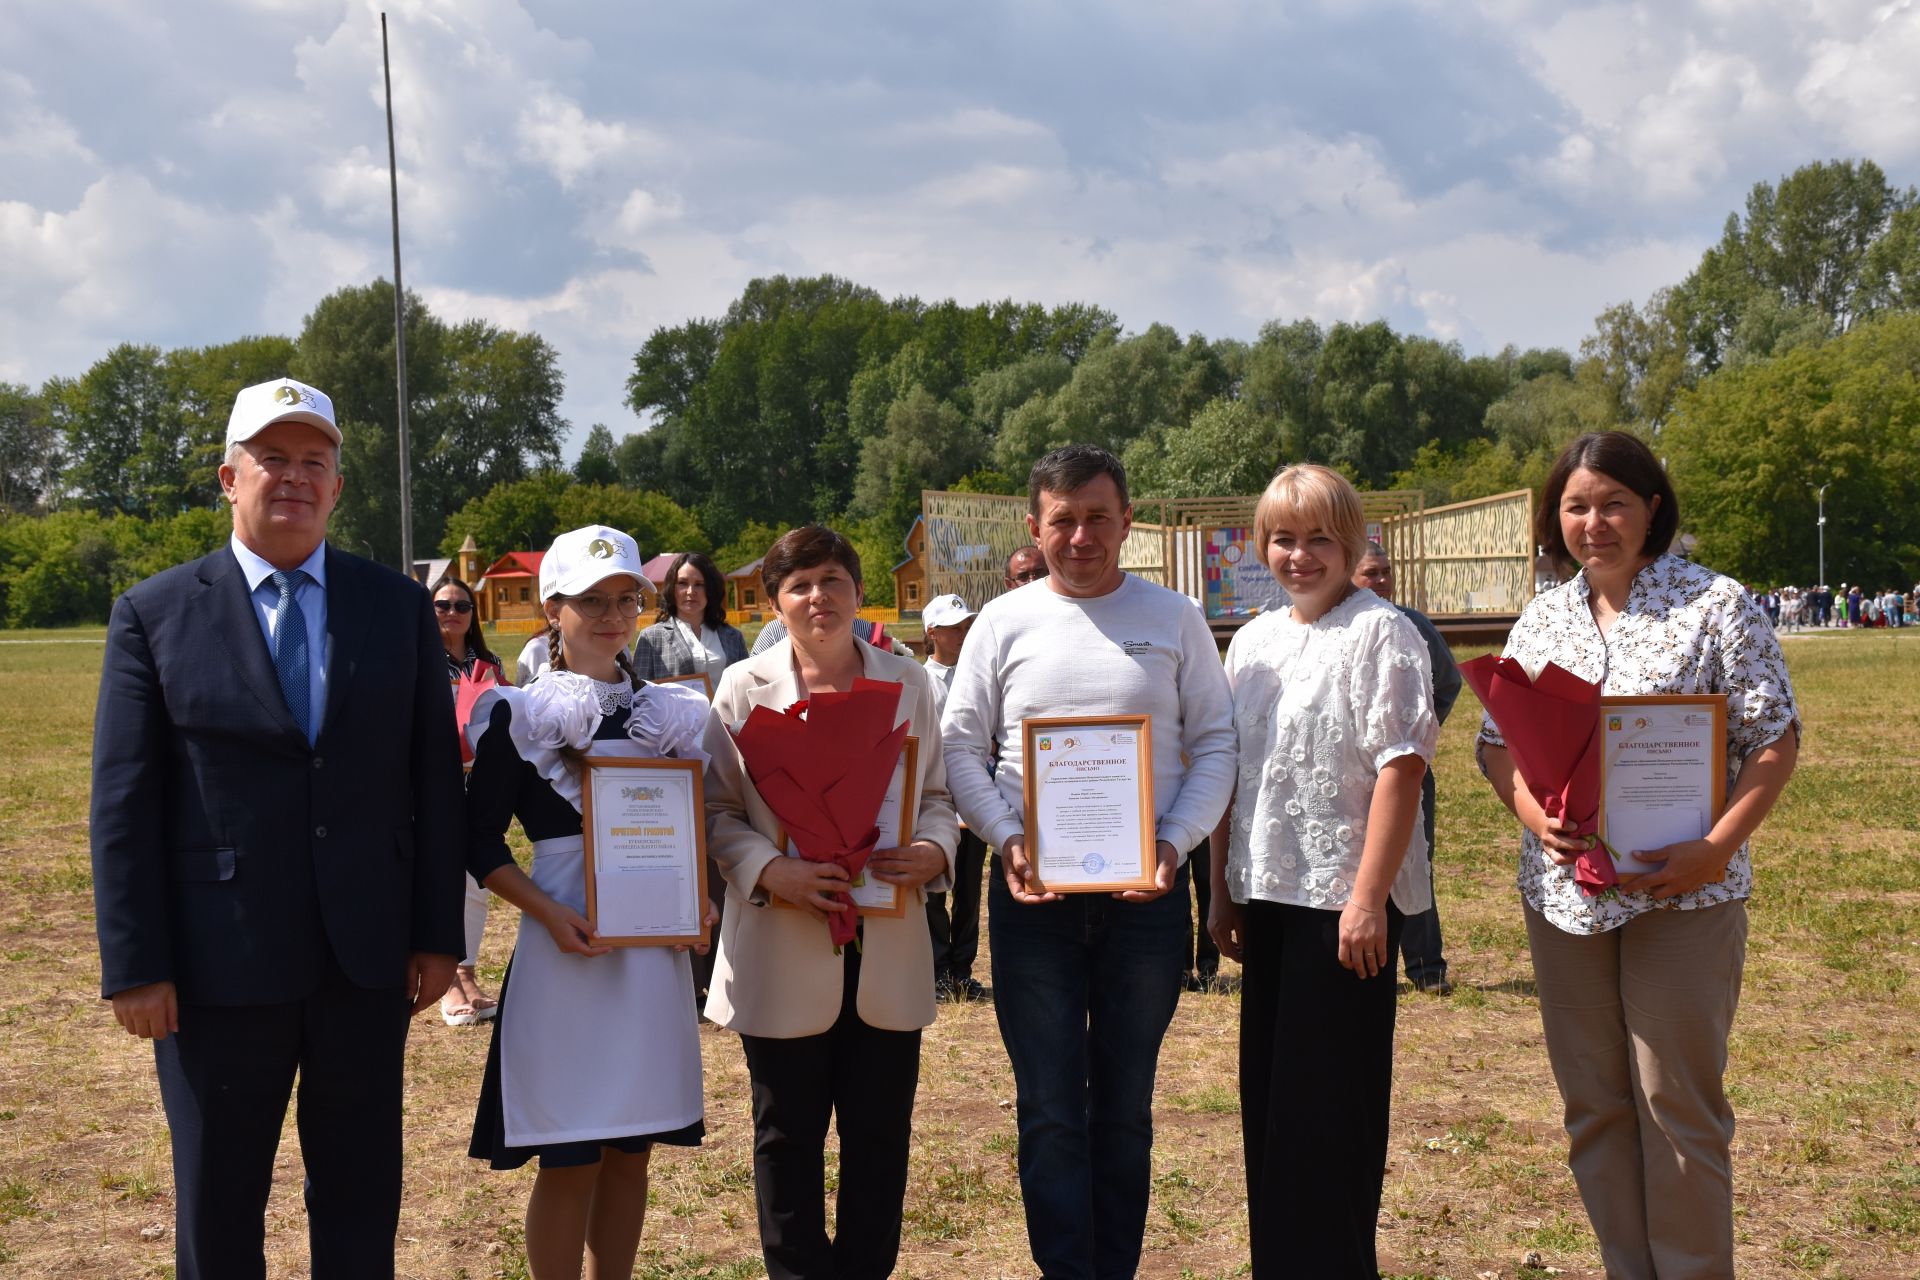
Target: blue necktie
point(290, 649)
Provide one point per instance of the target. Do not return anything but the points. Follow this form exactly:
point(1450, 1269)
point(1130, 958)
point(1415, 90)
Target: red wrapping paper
point(823, 766)
point(472, 685)
point(1552, 728)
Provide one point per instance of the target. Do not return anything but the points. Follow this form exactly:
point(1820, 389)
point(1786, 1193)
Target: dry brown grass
point(1824, 1071)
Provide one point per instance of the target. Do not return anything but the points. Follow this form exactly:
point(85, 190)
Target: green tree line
point(1788, 356)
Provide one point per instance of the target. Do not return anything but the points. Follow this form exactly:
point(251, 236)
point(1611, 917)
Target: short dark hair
point(807, 547)
point(1620, 457)
point(715, 615)
point(1071, 468)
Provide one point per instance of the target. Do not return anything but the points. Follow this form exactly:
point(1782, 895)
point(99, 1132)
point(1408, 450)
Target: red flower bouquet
point(1552, 728)
point(823, 766)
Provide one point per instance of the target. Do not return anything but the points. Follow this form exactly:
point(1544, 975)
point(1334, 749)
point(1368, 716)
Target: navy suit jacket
point(231, 857)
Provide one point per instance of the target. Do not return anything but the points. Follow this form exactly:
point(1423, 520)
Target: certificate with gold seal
point(1089, 801)
point(644, 831)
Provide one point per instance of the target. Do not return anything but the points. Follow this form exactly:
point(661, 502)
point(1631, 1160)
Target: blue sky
point(1491, 171)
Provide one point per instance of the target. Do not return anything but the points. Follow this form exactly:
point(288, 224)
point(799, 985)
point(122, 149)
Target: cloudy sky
point(1492, 171)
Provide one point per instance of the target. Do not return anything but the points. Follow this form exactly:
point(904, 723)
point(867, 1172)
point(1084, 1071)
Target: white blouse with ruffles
point(1320, 708)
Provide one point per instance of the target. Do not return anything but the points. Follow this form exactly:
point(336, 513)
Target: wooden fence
point(1469, 557)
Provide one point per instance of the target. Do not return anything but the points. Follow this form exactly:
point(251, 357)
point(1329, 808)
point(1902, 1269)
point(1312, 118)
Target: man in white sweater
point(1084, 985)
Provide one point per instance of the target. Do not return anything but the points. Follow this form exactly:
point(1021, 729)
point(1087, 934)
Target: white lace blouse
point(1320, 708)
point(1686, 629)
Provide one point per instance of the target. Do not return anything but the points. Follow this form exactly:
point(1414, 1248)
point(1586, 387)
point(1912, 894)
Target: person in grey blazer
point(277, 835)
point(691, 635)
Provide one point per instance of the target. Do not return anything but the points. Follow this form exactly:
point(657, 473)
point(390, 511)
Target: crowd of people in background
point(1847, 606)
point(278, 840)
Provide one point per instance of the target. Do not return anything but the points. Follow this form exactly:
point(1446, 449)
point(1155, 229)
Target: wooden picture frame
point(685, 779)
point(705, 682)
point(1130, 867)
point(1617, 716)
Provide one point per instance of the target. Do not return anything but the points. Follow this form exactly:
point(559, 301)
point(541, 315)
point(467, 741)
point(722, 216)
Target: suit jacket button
point(320, 832)
point(319, 763)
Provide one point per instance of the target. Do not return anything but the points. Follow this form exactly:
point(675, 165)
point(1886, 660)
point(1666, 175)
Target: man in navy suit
point(277, 849)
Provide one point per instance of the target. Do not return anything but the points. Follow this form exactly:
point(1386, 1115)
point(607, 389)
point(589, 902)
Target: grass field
point(1825, 1071)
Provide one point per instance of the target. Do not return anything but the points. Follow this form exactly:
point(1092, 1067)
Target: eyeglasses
point(1025, 576)
point(453, 606)
point(595, 605)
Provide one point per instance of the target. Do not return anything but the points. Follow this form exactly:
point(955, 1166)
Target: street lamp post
point(1820, 495)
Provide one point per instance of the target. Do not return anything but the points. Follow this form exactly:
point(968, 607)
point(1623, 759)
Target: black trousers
point(956, 938)
point(1203, 957)
point(1316, 1075)
point(225, 1080)
point(864, 1079)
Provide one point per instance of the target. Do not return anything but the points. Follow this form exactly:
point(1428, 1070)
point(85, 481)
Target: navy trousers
point(225, 1080)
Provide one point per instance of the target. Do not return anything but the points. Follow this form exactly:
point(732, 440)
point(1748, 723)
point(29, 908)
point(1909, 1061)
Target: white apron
point(594, 1046)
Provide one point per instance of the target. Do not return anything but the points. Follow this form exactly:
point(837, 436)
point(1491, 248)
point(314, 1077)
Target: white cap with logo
point(283, 400)
point(945, 611)
point(580, 558)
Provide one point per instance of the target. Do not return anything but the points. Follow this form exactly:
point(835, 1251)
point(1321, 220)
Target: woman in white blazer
point(827, 1037)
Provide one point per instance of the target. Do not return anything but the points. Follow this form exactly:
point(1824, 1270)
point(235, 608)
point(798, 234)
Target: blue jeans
point(1084, 990)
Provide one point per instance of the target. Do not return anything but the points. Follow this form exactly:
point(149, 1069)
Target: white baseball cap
point(283, 400)
point(579, 558)
point(945, 611)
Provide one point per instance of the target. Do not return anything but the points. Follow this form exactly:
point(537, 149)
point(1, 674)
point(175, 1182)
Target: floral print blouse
point(1320, 708)
point(1685, 629)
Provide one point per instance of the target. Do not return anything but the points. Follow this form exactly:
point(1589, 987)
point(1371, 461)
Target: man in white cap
point(956, 937)
point(947, 620)
point(277, 832)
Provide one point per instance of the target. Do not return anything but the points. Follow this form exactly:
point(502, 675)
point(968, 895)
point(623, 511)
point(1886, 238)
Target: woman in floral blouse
point(1315, 866)
point(1638, 985)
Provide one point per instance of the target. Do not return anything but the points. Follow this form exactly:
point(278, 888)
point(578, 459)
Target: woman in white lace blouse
point(1638, 986)
point(1315, 866)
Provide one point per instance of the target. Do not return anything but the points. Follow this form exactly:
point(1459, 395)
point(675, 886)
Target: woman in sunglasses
point(467, 652)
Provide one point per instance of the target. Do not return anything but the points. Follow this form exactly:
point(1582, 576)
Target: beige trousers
point(1637, 1020)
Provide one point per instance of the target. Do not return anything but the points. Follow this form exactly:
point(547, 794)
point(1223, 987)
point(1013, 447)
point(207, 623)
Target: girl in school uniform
point(595, 1056)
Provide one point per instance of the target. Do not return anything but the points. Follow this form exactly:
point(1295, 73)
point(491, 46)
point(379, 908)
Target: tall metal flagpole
point(399, 323)
point(1821, 494)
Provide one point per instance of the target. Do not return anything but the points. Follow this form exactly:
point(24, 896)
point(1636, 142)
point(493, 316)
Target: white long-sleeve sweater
point(1138, 649)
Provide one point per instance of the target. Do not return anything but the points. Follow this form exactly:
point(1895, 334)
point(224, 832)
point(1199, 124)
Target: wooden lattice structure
point(1465, 558)
point(968, 539)
point(1474, 557)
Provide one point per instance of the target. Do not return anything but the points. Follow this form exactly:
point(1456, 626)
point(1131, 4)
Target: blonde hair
point(1309, 496)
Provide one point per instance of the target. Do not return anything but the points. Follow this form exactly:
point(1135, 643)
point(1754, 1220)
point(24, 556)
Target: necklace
point(611, 695)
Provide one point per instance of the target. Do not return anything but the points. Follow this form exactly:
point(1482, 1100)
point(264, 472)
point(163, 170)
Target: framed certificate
point(875, 897)
point(1089, 793)
point(1663, 772)
point(699, 679)
point(643, 825)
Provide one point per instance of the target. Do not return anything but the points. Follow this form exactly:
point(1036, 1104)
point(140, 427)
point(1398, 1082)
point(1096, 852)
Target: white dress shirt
point(312, 598)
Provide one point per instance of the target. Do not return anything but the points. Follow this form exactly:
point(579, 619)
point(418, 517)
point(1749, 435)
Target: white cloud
point(1211, 167)
point(1867, 91)
point(554, 132)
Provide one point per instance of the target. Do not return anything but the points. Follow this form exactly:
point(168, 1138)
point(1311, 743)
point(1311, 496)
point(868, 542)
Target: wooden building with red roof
point(510, 588)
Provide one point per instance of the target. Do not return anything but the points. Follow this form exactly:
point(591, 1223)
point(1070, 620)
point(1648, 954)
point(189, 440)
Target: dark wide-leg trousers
point(1316, 1077)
